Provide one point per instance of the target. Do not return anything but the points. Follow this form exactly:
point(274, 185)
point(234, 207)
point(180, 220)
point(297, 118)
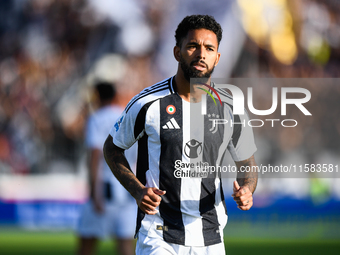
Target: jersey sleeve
point(128, 128)
point(242, 144)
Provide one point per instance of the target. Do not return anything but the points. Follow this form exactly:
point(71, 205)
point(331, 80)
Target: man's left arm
point(245, 183)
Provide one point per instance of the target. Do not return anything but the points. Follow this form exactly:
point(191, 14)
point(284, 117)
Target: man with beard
point(178, 214)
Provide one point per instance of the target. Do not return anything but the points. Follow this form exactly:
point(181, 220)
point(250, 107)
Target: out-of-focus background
point(51, 54)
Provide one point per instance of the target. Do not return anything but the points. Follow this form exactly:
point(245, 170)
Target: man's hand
point(96, 195)
point(150, 200)
point(98, 205)
point(242, 196)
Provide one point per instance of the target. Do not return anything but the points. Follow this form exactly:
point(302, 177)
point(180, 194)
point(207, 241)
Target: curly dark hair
point(196, 22)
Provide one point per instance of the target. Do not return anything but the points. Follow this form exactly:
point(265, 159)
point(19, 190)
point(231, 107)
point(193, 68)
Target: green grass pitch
point(15, 242)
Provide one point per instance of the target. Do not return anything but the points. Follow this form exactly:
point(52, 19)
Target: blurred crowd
point(47, 48)
point(51, 53)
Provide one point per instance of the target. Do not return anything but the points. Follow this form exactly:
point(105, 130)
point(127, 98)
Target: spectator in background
point(111, 210)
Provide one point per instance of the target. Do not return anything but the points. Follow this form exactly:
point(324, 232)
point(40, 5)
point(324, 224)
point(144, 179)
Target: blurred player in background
point(111, 210)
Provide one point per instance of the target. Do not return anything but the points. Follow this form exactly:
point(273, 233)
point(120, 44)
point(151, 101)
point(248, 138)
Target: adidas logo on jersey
point(171, 124)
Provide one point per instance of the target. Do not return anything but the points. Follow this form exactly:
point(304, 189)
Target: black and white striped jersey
point(174, 144)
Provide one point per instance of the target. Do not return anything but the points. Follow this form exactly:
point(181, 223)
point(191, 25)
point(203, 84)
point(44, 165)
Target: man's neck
point(187, 91)
point(182, 86)
point(106, 103)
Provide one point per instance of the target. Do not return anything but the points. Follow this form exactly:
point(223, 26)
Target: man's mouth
point(199, 65)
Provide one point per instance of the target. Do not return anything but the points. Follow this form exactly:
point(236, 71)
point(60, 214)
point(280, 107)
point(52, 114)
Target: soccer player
point(111, 209)
point(178, 214)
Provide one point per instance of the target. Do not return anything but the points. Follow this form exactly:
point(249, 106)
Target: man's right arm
point(147, 198)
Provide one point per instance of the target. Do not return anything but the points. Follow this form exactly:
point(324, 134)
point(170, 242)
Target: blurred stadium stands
point(52, 51)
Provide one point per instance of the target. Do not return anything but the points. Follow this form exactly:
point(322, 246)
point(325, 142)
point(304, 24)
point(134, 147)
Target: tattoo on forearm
point(249, 177)
point(119, 166)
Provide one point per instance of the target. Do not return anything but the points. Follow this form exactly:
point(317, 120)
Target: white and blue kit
point(120, 207)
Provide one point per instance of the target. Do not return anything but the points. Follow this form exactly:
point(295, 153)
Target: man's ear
point(217, 58)
point(177, 53)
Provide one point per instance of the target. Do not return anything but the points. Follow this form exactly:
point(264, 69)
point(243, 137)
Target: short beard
point(191, 73)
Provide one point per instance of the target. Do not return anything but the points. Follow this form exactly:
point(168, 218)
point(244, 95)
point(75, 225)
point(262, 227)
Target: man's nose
point(200, 52)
